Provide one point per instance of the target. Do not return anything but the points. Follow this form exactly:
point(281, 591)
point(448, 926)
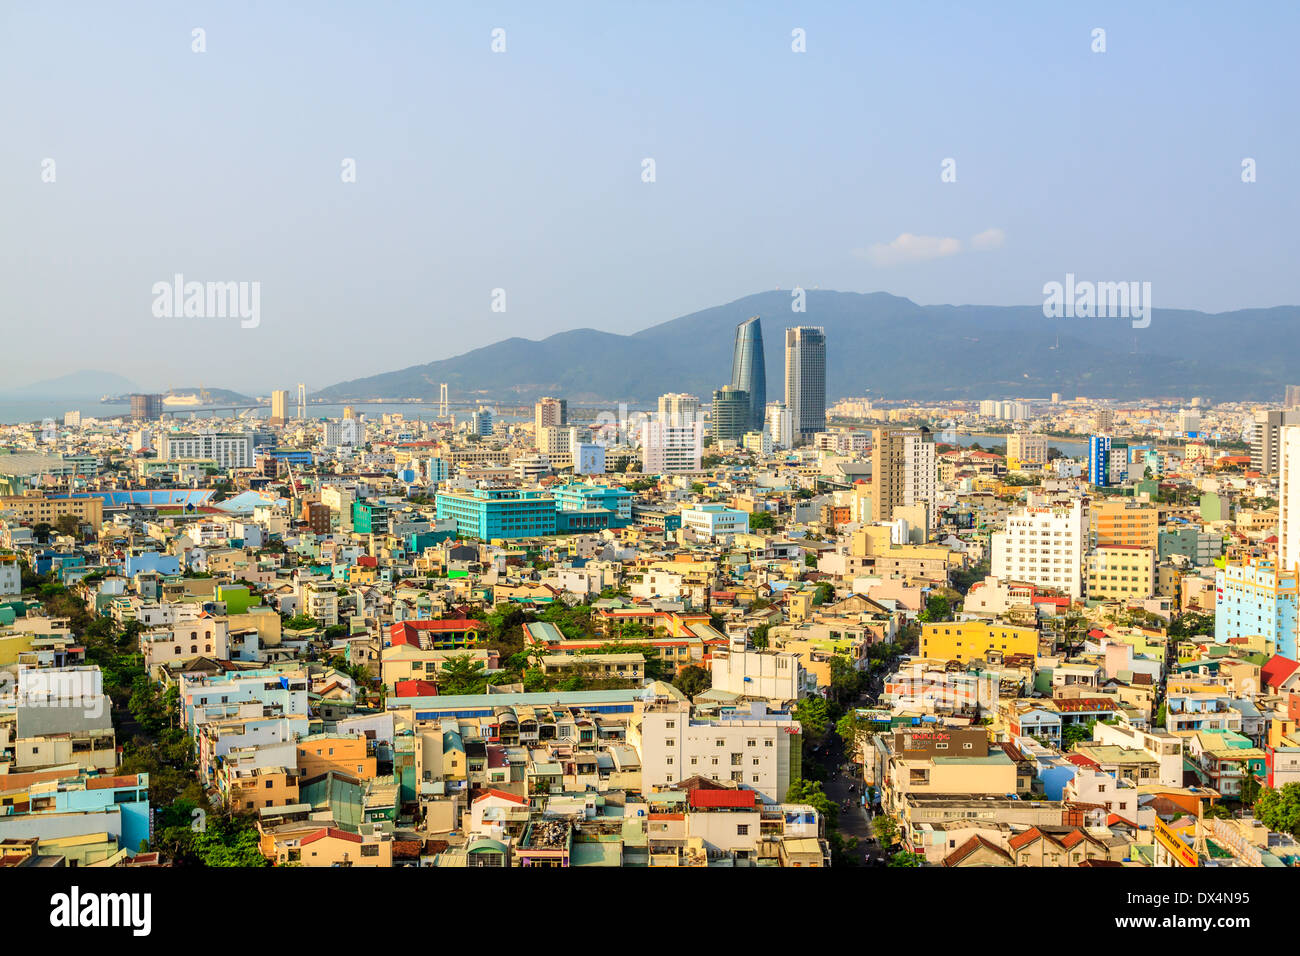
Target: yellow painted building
point(1120, 572)
point(38, 509)
point(969, 640)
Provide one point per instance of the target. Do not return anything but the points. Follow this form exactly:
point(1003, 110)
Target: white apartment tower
point(667, 449)
point(778, 425)
point(1288, 525)
point(1043, 546)
point(678, 408)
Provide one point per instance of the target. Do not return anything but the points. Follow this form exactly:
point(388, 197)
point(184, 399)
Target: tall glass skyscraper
point(805, 379)
point(748, 371)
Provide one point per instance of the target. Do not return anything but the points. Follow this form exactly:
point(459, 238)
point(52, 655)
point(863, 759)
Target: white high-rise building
point(667, 449)
point(341, 434)
point(778, 425)
point(920, 472)
point(1027, 447)
point(1043, 546)
point(1288, 525)
point(678, 408)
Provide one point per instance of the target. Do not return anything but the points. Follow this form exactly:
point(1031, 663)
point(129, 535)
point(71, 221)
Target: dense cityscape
point(1049, 631)
point(853, 438)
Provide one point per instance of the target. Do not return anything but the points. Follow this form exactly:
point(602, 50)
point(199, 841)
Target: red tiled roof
point(1024, 839)
point(969, 847)
point(1277, 670)
point(493, 792)
point(406, 632)
point(416, 688)
point(334, 832)
point(729, 799)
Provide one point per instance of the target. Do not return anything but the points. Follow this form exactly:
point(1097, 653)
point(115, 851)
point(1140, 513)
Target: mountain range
point(884, 346)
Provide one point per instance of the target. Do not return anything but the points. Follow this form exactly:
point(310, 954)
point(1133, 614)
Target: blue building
point(1256, 597)
point(154, 562)
point(749, 371)
point(481, 422)
point(294, 456)
point(583, 497)
point(487, 513)
point(1107, 461)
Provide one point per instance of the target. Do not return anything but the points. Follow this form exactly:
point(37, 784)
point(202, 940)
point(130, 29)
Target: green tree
point(854, 731)
point(1250, 789)
point(759, 637)
point(937, 608)
point(905, 858)
point(825, 593)
point(462, 675)
point(885, 829)
point(813, 714)
point(1073, 734)
point(761, 520)
point(693, 679)
point(1280, 809)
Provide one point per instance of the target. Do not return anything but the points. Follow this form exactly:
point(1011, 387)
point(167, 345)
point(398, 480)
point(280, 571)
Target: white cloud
point(909, 248)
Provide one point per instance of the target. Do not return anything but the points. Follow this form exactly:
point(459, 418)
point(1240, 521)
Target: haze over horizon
point(522, 170)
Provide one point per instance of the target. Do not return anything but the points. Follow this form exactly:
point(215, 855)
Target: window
point(742, 829)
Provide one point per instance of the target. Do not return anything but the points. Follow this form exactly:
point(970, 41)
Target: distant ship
point(182, 401)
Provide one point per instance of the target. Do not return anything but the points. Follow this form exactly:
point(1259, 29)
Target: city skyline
point(805, 184)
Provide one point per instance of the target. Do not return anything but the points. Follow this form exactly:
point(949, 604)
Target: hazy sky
point(522, 170)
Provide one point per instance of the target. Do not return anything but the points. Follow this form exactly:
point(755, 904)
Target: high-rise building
point(668, 449)
point(678, 408)
point(146, 408)
point(1027, 448)
point(731, 413)
point(903, 471)
point(1253, 597)
point(550, 413)
point(1292, 399)
point(805, 379)
point(1265, 438)
point(279, 406)
point(1189, 422)
point(558, 444)
point(481, 422)
point(749, 369)
point(1043, 546)
point(778, 425)
point(1288, 518)
point(1107, 461)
